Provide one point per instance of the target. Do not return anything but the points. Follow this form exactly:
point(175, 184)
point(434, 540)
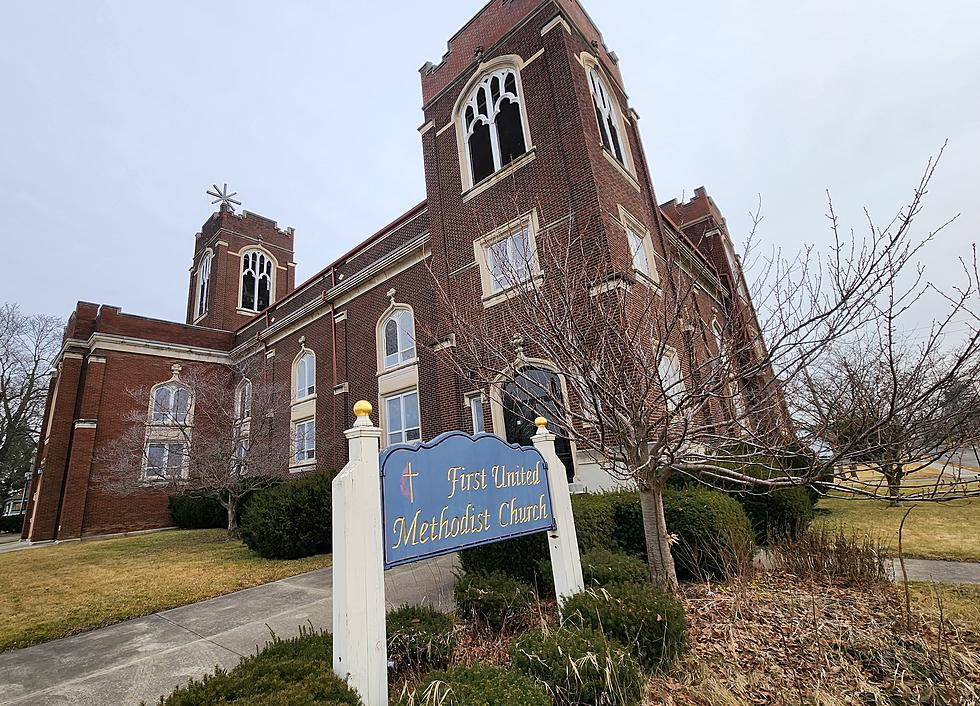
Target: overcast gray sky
point(117, 115)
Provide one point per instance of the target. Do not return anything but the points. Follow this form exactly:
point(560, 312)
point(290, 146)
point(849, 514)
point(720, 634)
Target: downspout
point(333, 344)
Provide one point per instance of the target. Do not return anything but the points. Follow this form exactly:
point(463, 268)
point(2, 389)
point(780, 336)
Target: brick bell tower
point(242, 265)
point(528, 135)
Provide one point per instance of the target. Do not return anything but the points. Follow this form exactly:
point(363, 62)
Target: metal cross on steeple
point(223, 197)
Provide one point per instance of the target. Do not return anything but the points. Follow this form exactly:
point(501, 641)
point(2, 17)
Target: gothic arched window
point(493, 127)
point(671, 379)
point(398, 338)
point(243, 400)
point(204, 283)
point(532, 393)
point(607, 115)
point(257, 269)
point(171, 404)
point(305, 375)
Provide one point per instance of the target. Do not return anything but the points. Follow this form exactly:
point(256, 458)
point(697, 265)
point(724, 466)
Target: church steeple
point(242, 265)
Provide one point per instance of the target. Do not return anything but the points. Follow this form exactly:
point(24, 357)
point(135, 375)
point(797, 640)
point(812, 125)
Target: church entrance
point(536, 393)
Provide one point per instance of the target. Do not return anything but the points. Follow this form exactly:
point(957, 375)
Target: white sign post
point(566, 564)
point(360, 649)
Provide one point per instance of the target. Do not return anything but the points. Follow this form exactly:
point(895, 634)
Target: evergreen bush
point(580, 666)
point(420, 639)
point(12, 524)
point(779, 514)
point(714, 536)
point(196, 512)
point(478, 685)
point(649, 623)
point(285, 673)
point(290, 521)
point(496, 600)
point(601, 567)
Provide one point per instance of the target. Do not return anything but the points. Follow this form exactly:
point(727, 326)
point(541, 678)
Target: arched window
point(204, 283)
point(171, 404)
point(493, 127)
point(532, 393)
point(243, 400)
point(607, 114)
point(257, 270)
point(398, 338)
point(305, 375)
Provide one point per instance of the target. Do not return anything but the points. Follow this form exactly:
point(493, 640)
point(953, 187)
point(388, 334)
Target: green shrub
point(650, 623)
point(289, 521)
point(780, 514)
point(286, 673)
point(477, 686)
point(580, 666)
point(517, 558)
point(601, 567)
point(12, 524)
point(628, 518)
point(714, 537)
point(496, 600)
point(419, 639)
point(196, 512)
point(525, 558)
point(595, 521)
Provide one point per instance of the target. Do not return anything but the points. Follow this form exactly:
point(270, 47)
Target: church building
point(525, 117)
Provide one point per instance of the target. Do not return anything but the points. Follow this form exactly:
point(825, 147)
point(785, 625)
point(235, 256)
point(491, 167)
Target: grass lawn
point(960, 604)
point(57, 591)
point(948, 531)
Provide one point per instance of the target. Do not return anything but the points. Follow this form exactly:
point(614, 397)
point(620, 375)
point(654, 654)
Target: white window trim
point(676, 390)
point(240, 255)
point(296, 399)
point(156, 479)
point(202, 299)
point(297, 465)
point(628, 166)
point(188, 422)
point(485, 71)
point(629, 222)
point(491, 295)
point(391, 312)
point(471, 399)
point(384, 412)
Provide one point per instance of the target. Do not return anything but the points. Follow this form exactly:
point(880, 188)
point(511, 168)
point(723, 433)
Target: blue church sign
point(460, 491)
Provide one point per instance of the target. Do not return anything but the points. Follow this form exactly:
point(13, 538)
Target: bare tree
point(211, 432)
point(28, 345)
point(900, 404)
point(669, 370)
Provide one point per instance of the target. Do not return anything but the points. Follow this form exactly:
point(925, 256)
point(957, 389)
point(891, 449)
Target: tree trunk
point(232, 507)
point(894, 477)
point(661, 561)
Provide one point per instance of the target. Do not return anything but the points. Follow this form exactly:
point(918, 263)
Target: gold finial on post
point(363, 409)
point(541, 423)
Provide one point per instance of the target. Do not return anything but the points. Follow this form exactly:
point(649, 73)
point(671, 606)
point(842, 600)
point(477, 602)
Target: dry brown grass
point(57, 591)
point(776, 639)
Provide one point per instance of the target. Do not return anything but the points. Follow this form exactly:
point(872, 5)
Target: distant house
point(16, 503)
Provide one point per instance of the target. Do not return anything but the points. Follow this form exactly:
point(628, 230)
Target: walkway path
point(939, 571)
point(146, 658)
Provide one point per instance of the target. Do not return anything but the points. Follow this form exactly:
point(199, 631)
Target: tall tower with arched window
point(243, 264)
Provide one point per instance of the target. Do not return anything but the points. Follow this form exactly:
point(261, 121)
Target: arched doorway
point(536, 393)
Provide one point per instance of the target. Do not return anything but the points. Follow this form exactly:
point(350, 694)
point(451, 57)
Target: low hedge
point(12, 524)
point(779, 514)
point(580, 666)
point(291, 520)
point(196, 512)
point(495, 600)
point(714, 536)
point(601, 567)
point(650, 623)
point(420, 639)
point(478, 685)
point(286, 672)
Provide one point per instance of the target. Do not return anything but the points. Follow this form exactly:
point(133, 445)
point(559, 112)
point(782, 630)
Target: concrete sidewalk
point(939, 571)
point(146, 658)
